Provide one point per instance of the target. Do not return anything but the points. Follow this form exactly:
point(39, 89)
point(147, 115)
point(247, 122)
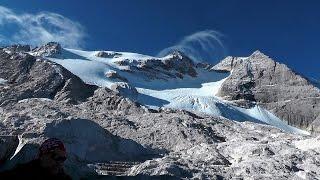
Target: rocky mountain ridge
point(259, 79)
point(41, 99)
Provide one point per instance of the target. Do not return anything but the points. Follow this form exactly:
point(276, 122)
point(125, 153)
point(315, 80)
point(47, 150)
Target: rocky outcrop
point(105, 99)
point(17, 48)
point(108, 134)
point(125, 90)
point(175, 65)
point(180, 63)
point(115, 76)
point(30, 77)
point(104, 54)
point(260, 80)
point(167, 143)
point(48, 50)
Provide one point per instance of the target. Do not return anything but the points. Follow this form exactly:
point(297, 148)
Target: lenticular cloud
point(40, 28)
point(200, 46)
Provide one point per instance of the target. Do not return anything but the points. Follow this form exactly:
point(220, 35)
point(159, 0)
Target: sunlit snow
point(313, 143)
point(194, 94)
point(2, 81)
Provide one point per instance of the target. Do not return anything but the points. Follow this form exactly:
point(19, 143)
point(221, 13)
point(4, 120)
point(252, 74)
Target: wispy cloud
point(200, 46)
point(40, 28)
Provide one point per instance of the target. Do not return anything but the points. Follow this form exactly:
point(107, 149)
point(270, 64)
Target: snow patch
point(307, 144)
point(267, 117)
point(40, 99)
point(301, 174)
point(22, 142)
point(2, 81)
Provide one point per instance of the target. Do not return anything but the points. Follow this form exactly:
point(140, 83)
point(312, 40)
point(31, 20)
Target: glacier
point(197, 94)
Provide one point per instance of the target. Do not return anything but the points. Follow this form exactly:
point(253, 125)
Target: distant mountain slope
point(260, 80)
point(108, 132)
point(173, 81)
point(24, 76)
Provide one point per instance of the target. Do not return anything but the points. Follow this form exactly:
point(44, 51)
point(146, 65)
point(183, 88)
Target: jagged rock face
point(85, 140)
point(259, 79)
point(176, 65)
point(17, 48)
point(125, 89)
point(180, 63)
point(103, 126)
point(104, 54)
point(253, 158)
point(177, 143)
point(115, 75)
point(29, 77)
point(50, 49)
point(106, 100)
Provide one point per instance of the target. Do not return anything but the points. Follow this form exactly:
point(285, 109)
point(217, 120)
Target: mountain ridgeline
point(127, 114)
point(258, 79)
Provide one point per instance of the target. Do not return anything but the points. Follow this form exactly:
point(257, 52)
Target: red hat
point(51, 144)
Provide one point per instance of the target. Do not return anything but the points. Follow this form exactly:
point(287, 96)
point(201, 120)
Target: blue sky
point(288, 31)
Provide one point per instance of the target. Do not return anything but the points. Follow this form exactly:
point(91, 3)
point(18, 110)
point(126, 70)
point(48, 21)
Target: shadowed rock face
point(260, 80)
point(8, 146)
point(30, 77)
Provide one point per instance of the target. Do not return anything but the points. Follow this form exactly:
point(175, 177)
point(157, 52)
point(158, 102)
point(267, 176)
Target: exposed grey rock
point(115, 75)
point(85, 140)
point(17, 48)
point(104, 54)
point(105, 99)
point(29, 77)
point(178, 143)
point(241, 156)
point(180, 63)
point(104, 127)
point(125, 89)
point(70, 91)
point(48, 50)
point(259, 79)
point(175, 65)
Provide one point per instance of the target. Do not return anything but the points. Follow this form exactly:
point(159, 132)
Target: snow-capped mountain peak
point(177, 119)
point(173, 81)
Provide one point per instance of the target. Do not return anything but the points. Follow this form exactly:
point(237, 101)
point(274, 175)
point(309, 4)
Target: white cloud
point(200, 46)
point(40, 28)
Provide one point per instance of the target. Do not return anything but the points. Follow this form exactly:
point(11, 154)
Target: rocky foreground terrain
point(107, 134)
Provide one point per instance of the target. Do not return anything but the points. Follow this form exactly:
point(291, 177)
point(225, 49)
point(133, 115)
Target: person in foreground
point(48, 165)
